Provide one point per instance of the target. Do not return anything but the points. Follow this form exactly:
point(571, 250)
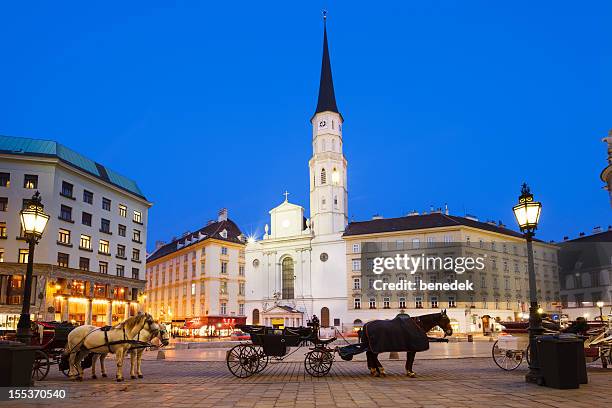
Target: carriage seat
point(326, 341)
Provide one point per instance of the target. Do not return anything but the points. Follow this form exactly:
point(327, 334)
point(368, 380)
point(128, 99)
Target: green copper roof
point(48, 148)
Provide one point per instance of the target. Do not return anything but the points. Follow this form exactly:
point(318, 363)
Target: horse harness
point(105, 329)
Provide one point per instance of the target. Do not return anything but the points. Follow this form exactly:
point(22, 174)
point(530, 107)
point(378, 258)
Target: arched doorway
point(287, 278)
point(324, 317)
point(255, 316)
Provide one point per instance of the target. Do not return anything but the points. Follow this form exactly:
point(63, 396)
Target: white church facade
point(298, 268)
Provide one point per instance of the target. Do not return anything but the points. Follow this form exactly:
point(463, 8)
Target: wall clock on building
point(322, 123)
point(255, 263)
point(324, 257)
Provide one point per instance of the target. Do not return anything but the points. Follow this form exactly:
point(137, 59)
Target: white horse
point(91, 339)
point(155, 330)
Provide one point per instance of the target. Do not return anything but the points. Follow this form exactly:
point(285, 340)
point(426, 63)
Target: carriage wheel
point(506, 359)
point(40, 368)
point(318, 362)
point(262, 361)
point(242, 360)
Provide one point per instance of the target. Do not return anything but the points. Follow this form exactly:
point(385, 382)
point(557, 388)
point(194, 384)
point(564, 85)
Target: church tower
point(328, 181)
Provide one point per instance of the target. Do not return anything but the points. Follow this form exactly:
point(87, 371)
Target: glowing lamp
point(33, 218)
point(600, 304)
point(527, 212)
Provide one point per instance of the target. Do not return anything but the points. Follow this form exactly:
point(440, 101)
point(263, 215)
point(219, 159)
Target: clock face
point(322, 123)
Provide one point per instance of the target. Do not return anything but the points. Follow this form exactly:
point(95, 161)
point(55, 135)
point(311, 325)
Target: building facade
point(501, 289)
point(89, 264)
point(585, 274)
point(606, 174)
point(197, 283)
point(297, 269)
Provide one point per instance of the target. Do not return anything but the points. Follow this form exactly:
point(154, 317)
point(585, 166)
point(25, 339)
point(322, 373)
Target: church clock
point(322, 124)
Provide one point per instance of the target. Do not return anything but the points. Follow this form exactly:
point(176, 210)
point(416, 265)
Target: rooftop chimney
point(222, 215)
point(377, 217)
point(582, 234)
point(565, 238)
point(597, 230)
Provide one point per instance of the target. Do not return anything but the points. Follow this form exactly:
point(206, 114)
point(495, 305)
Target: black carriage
point(247, 359)
point(52, 337)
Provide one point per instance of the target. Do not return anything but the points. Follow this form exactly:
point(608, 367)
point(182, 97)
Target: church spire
point(327, 97)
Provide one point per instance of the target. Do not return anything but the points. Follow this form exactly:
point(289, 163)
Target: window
point(399, 244)
point(193, 289)
point(402, 303)
point(137, 217)
point(483, 282)
point(357, 303)
point(63, 236)
point(85, 242)
point(372, 303)
point(87, 197)
point(86, 219)
point(241, 288)
point(434, 302)
point(122, 210)
point(1, 254)
point(67, 189)
point(356, 264)
point(416, 243)
point(62, 259)
point(30, 181)
point(121, 230)
point(223, 308)
point(223, 250)
point(3, 232)
point(106, 204)
point(287, 278)
point(223, 234)
point(135, 273)
point(136, 236)
point(240, 270)
point(5, 179)
point(84, 264)
point(418, 302)
point(120, 269)
point(135, 254)
point(323, 176)
point(241, 309)
point(224, 268)
point(120, 251)
point(105, 226)
point(104, 247)
point(3, 203)
point(66, 213)
point(386, 303)
point(223, 288)
point(451, 301)
point(356, 248)
point(356, 283)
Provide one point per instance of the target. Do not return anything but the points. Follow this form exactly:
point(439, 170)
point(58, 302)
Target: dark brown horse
point(401, 334)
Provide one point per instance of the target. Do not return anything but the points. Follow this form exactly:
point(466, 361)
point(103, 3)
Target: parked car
point(240, 335)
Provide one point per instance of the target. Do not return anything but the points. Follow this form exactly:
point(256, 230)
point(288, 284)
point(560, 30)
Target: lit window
point(137, 217)
point(30, 181)
point(3, 203)
point(3, 232)
point(104, 247)
point(122, 210)
point(1, 254)
point(5, 179)
point(63, 236)
point(193, 289)
point(223, 288)
point(85, 242)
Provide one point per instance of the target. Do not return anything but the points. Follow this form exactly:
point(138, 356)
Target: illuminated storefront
point(210, 326)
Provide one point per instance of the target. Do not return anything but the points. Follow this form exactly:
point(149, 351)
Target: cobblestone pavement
point(470, 382)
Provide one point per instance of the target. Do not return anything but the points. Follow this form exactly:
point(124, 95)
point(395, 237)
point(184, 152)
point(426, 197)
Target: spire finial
point(324, 12)
point(286, 194)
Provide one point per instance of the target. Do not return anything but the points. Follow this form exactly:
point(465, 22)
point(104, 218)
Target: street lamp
point(33, 223)
point(527, 213)
point(600, 305)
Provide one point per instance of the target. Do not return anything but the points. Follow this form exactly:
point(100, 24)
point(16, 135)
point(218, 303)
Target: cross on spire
point(286, 194)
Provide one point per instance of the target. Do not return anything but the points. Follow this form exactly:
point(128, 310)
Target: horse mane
point(131, 322)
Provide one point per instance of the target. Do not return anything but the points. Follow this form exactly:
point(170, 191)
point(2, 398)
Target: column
point(109, 313)
point(88, 311)
point(126, 311)
point(65, 304)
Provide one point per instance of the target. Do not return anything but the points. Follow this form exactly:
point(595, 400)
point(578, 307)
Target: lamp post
point(527, 213)
point(33, 223)
point(600, 305)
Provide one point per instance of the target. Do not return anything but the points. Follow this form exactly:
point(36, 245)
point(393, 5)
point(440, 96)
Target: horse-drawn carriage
point(512, 347)
point(247, 359)
point(51, 337)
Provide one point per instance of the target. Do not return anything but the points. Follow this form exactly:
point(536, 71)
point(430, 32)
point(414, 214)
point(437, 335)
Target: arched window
point(323, 176)
point(255, 316)
point(324, 317)
point(287, 278)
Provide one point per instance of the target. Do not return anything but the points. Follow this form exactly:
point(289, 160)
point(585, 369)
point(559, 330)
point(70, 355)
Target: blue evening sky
point(207, 104)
